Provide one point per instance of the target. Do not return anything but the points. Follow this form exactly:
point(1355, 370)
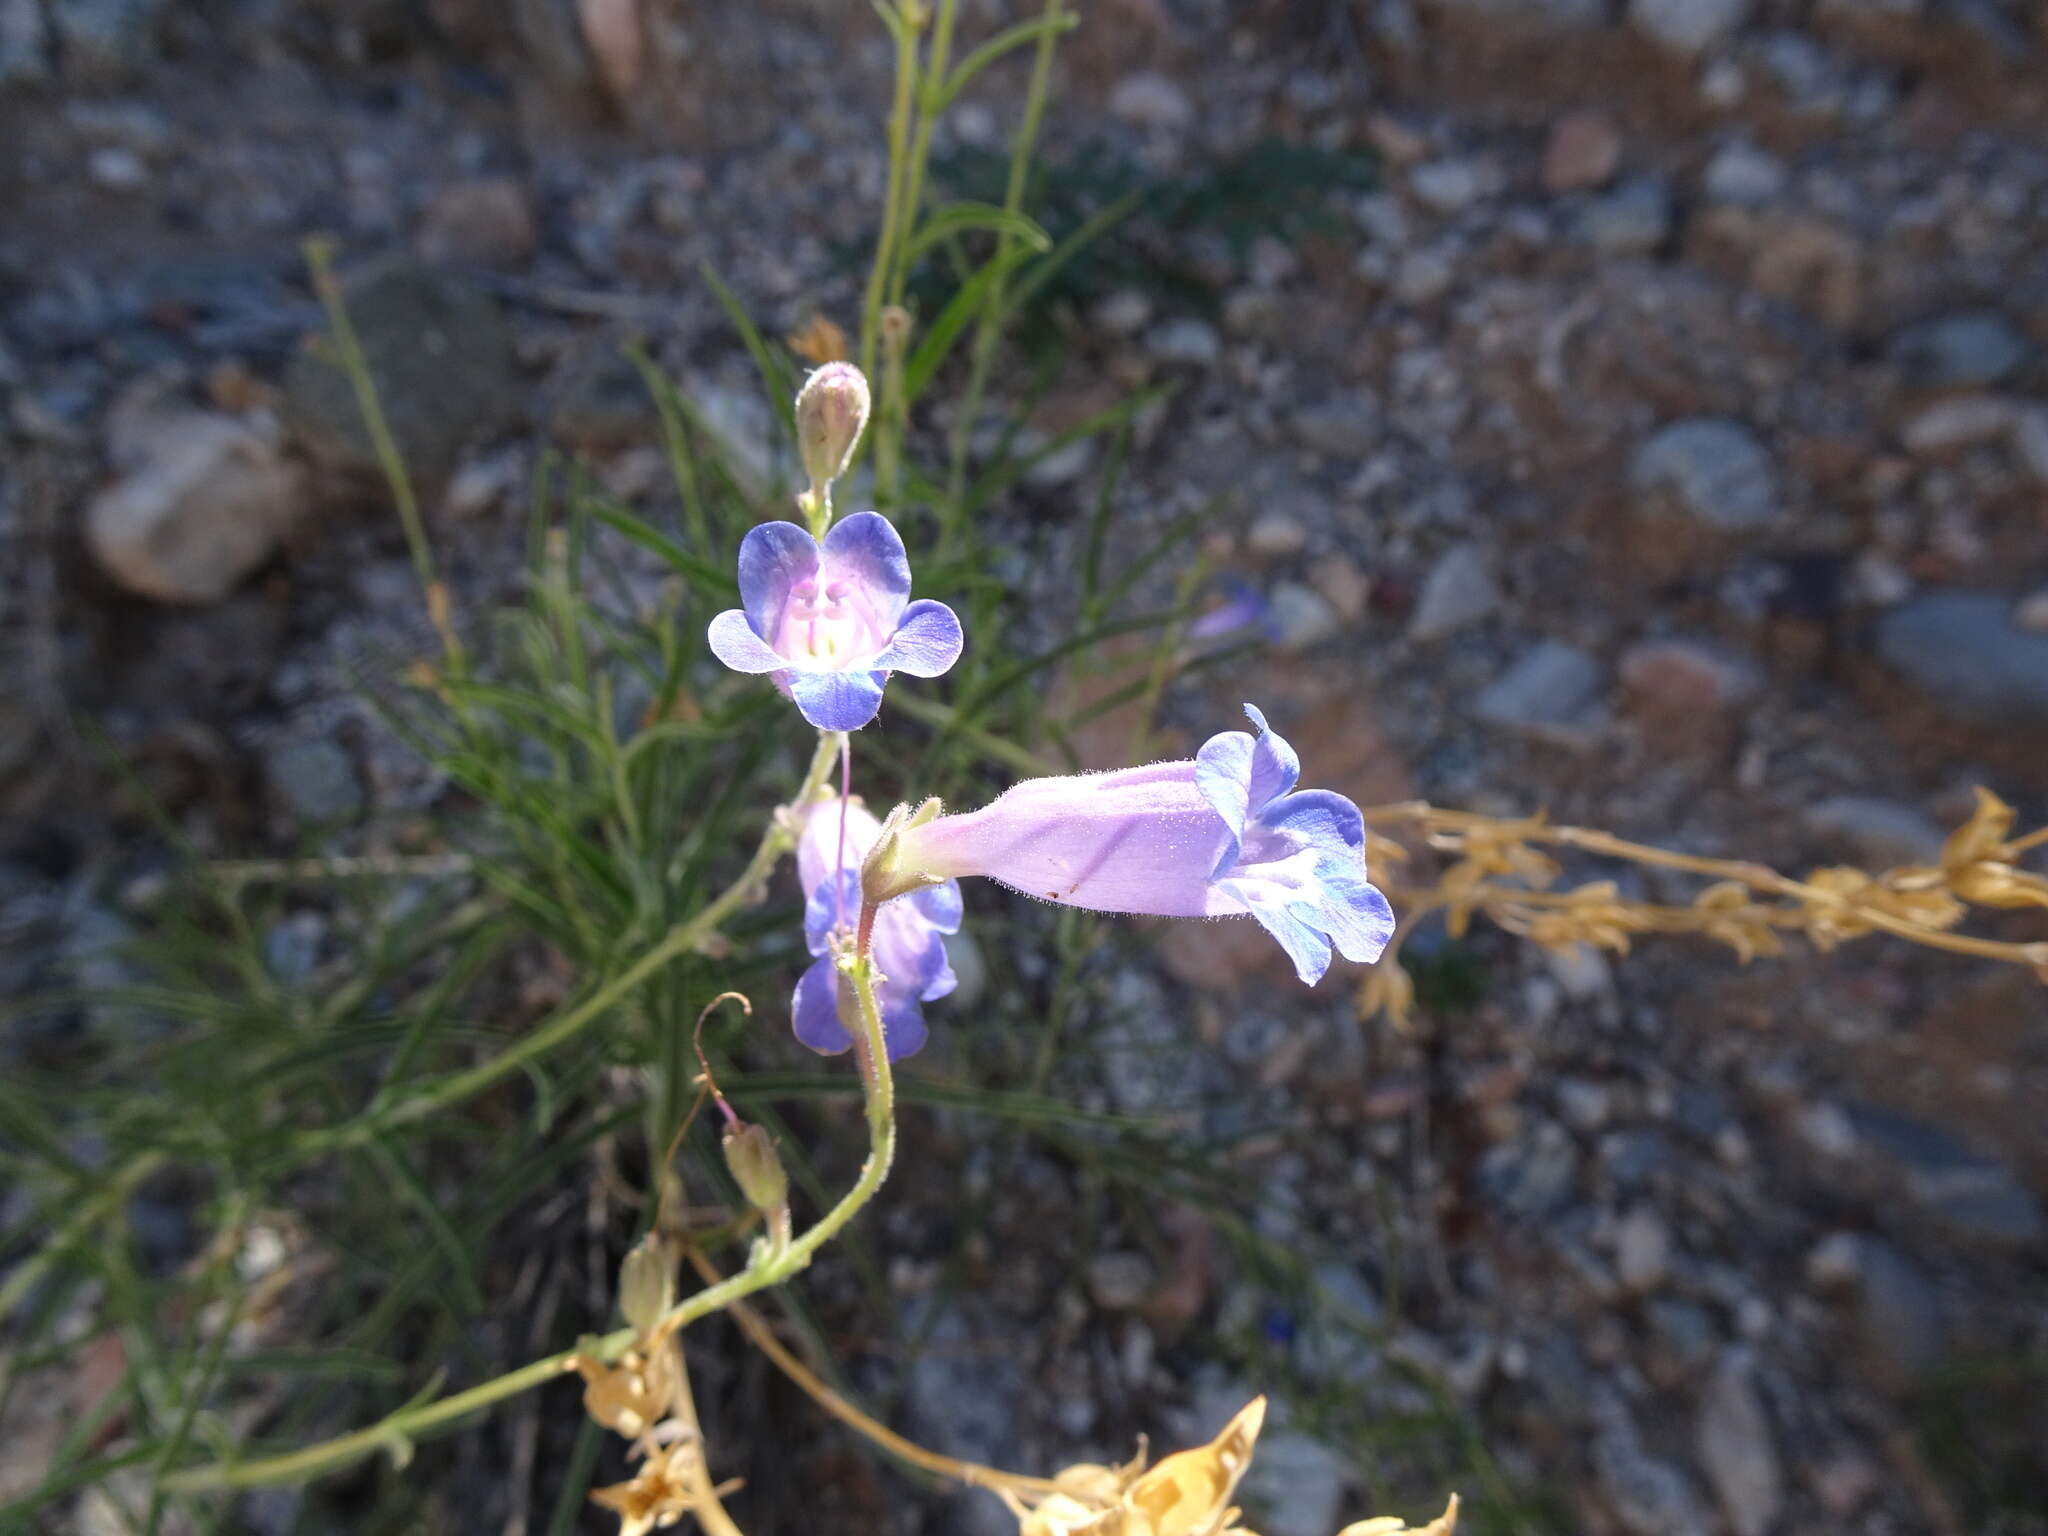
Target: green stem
point(777, 840)
point(83, 1219)
point(905, 30)
point(397, 1432)
point(932, 81)
point(356, 364)
point(988, 325)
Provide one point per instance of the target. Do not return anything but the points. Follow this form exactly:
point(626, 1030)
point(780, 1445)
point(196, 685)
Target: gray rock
point(1689, 679)
point(1582, 152)
point(1898, 1314)
point(1257, 314)
point(1345, 426)
point(1642, 1250)
point(1635, 1156)
point(1687, 26)
point(1712, 471)
point(1448, 186)
point(442, 360)
point(740, 424)
point(206, 501)
point(1962, 421)
point(1883, 833)
point(485, 222)
point(1539, 15)
point(1459, 590)
point(315, 780)
point(1970, 656)
point(1302, 617)
point(101, 41)
point(1683, 1332)
point(1551, 691)
point(1632, 220)
point(1532, 1175)
point(1737, 1450)
point(2030, 442)
point(962, 1401)
point(1744, 175)
point(1275, 536)
point(2031, 612)
point(1975, 1199)
point(1119, 1281)
point(1192, 343)
point(21, 41)
point(1124, 312)
point(1295, 1486)
point(1151, 101)
point(1383, 219)
point(597, 402)
point(1584, 1103)
point(1424, 276)
point(1649, 1497)
point(1974, 349)
point(117, 168)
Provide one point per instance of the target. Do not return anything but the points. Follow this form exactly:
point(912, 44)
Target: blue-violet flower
point(829, 621)
point(1224, 835)
point(908, 945)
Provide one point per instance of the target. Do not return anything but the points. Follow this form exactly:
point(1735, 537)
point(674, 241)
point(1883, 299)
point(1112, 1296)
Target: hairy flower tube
point(1224, 835)
point(830, 620)
point(908, 945)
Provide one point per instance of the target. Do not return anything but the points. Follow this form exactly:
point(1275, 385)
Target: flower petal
point(1309, 950)
point(734, 642)
point(818, 843)
point(1137, 840)
point(1223, 774)
point(1275, 765)
point(941, 979)
point(1357, 917)
point(1321, 819)
point(837, 701)
point(940, 905)
point(866, 552)
point(903, 1029)
point(822, 913)
point(928, 640)
point(815, 1010)
point(773, 558)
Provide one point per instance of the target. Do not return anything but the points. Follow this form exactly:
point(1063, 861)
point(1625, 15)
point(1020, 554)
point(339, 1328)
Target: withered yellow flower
point(1388, 1525)
point(1978, 859)
point(1187, 1494)
point(632, 1396)
point(659, 1496)
point(818, 342)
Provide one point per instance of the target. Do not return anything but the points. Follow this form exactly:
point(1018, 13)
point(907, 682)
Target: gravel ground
point(1658, 434)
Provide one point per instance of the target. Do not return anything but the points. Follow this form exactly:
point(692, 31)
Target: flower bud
point(884, 874)
point(831, 410)
point(750, 1158)
point(647, 1281)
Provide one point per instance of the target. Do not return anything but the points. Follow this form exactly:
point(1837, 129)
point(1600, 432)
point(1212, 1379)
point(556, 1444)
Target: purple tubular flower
point(830, 621)
point(908, 945)
point(1224, 835)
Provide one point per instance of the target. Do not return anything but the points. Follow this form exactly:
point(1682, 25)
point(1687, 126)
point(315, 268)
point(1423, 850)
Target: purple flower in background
point(830, 621)
point(1224, 835)
point(908, 945)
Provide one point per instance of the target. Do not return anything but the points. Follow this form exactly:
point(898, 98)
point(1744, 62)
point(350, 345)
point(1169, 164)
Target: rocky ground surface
point(1659, 435)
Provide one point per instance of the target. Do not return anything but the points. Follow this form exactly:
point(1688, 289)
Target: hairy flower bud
point(883, 874)
point(750, 1158)
point(831, 411)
